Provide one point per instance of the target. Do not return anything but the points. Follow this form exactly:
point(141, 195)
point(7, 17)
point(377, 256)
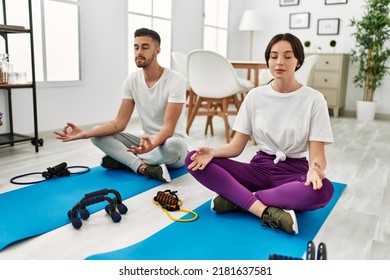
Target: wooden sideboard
point(330, 76)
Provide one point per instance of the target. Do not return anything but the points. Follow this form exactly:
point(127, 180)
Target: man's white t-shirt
point(283, 123)
point(152, 102)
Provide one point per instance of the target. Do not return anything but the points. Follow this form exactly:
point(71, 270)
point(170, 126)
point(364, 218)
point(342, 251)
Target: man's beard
point(143, 63)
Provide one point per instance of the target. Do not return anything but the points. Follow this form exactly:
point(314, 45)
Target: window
point(61, 31)
point(55, 31)
point(216, 25)
point(152, 14)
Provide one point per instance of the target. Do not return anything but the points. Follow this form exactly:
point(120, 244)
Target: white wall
point(187, 25)
point(276, 20)
point(105, 59)
point(105, 56)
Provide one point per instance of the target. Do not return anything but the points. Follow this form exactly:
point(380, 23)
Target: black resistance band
point(60, 170)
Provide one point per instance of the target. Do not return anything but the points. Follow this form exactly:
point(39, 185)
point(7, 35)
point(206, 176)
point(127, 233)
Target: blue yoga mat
point(230, 236)
point(42, 207)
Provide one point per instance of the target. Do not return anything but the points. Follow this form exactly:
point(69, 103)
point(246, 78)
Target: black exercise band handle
point(51, 170)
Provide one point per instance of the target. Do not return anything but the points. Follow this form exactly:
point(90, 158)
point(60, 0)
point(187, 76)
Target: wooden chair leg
point(225, 119)
point(236, 102)
point(211, 126)
point(209, 123)
point(190, 103)
point(194, 111)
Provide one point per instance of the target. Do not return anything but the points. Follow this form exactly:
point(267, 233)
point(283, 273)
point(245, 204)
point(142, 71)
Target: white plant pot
point(365, 110)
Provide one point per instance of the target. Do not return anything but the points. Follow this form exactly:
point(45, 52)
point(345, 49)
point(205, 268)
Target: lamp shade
point(251, 21)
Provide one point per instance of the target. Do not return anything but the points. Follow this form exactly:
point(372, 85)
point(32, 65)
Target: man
point(159, 94)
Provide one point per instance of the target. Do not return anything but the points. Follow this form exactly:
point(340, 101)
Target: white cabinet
point(330, 76)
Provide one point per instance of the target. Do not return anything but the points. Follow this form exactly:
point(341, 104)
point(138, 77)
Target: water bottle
point(5, 68)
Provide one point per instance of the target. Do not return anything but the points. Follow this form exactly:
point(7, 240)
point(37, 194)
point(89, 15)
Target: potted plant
point(307, 45)
point(332, 45)
point(371, 52)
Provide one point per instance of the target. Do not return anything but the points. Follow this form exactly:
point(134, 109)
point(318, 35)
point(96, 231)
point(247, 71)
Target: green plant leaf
point(371, 51)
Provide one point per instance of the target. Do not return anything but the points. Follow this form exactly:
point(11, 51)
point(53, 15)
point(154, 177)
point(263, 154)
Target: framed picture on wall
point(288, 3)
point(335, 2)
point(328, 26)
point(299, 21)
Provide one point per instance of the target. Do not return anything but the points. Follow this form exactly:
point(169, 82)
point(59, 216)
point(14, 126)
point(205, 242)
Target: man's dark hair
point(148, 32)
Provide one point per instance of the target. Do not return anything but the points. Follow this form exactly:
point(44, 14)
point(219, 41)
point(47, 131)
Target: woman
point(287, 120)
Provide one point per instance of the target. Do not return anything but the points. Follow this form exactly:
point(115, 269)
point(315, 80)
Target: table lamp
point(251, 21)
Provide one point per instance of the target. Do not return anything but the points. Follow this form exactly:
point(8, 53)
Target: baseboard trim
point(378, 116)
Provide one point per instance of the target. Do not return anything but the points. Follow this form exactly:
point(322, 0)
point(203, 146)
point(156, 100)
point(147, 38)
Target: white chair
point(302, 75)
point(216, 84)
point(265, 77)
point(180, 65)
